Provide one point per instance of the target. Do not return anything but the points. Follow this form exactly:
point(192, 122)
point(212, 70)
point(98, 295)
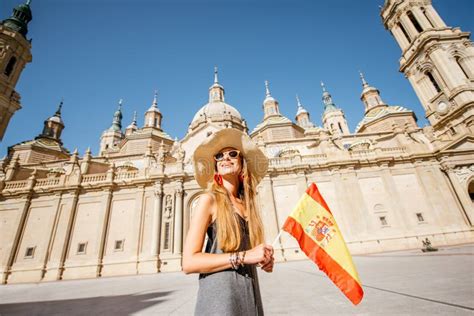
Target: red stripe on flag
point(343, 280)
point(313, 192)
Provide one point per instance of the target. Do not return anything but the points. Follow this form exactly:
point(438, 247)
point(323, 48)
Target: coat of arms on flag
point(318, 235)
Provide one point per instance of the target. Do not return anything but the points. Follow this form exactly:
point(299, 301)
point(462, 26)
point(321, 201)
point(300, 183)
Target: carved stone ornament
point(464, 172)
point(158, 188)
point(168, 213)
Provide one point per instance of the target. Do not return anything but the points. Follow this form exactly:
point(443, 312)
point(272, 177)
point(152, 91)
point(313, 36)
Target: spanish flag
point(318, 235)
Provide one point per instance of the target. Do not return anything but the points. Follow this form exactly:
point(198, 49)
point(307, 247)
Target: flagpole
point(276, 239)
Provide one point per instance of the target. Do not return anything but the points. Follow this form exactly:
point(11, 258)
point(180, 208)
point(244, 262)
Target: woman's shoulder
point(206, 205)
point(207, 198)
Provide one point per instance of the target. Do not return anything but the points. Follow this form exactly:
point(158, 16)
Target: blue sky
point(93, 53)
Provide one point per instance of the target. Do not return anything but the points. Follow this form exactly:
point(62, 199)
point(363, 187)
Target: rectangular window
point(420, 217)
point(383, 220)
point(166, 244)
point(81, 248)
point(118, 245)
point(30, 252)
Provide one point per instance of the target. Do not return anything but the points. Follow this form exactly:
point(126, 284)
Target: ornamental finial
point(155, 98)
point(298, 101)
point(267, 89)
point(323, 86)
point(215, 75)
point(364, 83)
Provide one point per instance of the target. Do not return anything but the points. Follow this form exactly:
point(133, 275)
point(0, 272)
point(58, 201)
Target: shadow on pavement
point(103, 305)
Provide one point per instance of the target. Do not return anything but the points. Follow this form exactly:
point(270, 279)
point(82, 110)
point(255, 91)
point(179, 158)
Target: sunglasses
point(233, 154)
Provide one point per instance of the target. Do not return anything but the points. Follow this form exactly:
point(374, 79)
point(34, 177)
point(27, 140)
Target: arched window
point(332, 126)
point(423, 10)
point(458, 61)
point(470, 190)
point(413, 20)
point(433, 81)
point(404, 32)
point(340, 127)
point(10, 66)
point(156, 122)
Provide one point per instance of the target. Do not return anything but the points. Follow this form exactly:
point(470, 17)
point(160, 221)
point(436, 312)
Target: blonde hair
point(228, 229)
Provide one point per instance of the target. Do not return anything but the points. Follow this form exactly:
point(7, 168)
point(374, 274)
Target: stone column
point(400, 37)
point(16, 241)
point(105, 229)
point(418, 14)
point(157, 207)
point(178, 220)
point(447, 73)
point(57, 207)
point(435, 16)
point(409, 27)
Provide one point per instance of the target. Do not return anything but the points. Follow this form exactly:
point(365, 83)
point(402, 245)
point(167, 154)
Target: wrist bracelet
point(243, 257)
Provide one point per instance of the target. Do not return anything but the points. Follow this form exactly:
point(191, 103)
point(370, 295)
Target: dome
point(216, 109)
point(56, 119)
point(301, 110)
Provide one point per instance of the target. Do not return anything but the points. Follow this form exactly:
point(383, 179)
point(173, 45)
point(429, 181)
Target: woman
point(229, 166)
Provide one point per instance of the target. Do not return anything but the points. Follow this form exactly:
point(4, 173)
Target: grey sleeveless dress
point(229, 292)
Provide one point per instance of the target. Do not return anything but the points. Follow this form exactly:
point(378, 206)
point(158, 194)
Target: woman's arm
point(194, 261)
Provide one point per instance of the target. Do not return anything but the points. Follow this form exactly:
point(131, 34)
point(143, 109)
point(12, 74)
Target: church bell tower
point(437, 59)
point(15, 53)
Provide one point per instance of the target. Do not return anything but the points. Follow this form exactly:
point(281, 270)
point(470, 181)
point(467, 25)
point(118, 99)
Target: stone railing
point(91, 178)
point(47, 182)
point(127, 175)
point(15, 185)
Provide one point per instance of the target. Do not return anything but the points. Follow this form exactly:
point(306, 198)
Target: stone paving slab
point(397, 283)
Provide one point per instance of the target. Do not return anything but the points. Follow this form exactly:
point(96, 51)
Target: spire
point(300, 108)
point(154, 105)
point(298, 101)
point(364, 83)
point(20, 18)
point(216, 81)
point(327, 100)
point(117, 121)
point(58, 111)
point(370, 96)
point(216, 91)
point(155, 99)
point(267, 90)
point(133, 125)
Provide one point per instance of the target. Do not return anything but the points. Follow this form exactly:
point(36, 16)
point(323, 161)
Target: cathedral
point(390, 184)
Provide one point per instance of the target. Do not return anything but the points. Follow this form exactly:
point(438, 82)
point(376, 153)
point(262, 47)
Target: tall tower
point(153, 116)
point(113, 135)
point(334, 119)
point(15, 53)
point(438, 60)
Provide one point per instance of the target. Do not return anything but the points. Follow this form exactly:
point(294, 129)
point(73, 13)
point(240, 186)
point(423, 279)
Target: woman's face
point(228, 163)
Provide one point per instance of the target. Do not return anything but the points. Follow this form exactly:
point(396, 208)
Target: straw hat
point(203, 158)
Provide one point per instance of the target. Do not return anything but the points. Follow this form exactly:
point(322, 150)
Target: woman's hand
point(262, 255)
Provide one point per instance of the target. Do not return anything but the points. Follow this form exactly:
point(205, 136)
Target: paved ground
point(397, 283)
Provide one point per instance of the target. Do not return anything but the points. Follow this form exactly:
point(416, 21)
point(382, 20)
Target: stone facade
point(127, 211)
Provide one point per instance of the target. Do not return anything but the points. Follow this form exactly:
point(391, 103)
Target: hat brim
point(203, 158)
